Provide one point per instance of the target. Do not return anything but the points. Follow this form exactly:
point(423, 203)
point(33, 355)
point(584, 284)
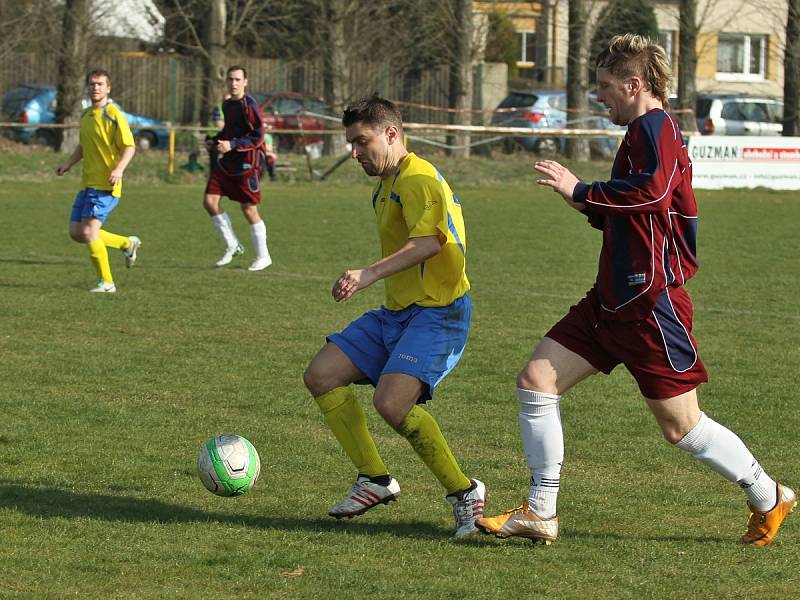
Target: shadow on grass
point(38, 261)
point(581, 536)
point(50, 502)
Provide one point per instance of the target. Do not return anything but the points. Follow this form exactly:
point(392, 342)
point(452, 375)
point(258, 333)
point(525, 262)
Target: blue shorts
point(93, 203)
point(421, 341)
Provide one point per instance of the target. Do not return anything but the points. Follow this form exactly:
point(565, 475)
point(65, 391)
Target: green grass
point(107, 399)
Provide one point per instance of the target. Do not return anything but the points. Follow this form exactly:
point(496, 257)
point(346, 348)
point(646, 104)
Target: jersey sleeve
point(425, 207)
point(649, 178)
point(123, 136)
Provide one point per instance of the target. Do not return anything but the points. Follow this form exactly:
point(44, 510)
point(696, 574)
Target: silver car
point(547, 109)
point(728, 114)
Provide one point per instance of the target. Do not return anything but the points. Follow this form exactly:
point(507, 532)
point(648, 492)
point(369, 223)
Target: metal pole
point(171, 163)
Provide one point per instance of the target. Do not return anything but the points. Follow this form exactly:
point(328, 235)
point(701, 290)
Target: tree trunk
point(578, 80)
point(791, 72)
point(336, 72)
point(687, 64)
point(214, 64)
point(71, 73)
point(460, 89)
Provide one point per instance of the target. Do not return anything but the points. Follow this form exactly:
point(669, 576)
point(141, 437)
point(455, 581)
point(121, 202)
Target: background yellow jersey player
point(106, 147)
point(408, 346)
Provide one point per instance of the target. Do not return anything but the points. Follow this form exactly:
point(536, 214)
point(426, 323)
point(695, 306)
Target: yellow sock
point(424, 435)
point(112, 240)
point(347, 420)
point(99, 256)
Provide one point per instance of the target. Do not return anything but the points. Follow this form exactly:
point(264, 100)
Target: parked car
point(282, 111)
point(35, 104)
point(731, 114)
point(540, 109)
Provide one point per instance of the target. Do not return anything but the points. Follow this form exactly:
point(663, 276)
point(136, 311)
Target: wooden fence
point(169, 87)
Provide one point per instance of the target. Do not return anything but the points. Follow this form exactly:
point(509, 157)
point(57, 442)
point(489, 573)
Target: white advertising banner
point(720, 161)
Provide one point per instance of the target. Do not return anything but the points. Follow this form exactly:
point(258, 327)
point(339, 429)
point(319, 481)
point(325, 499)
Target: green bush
point(502, 44)
point(619, 17)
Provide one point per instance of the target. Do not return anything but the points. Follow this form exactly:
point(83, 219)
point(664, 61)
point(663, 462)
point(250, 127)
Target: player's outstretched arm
point(116, 175)
point(76, 156)
point(560, 179)
point(415, 251)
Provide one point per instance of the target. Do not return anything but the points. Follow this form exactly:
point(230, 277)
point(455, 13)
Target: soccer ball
point(228, 465)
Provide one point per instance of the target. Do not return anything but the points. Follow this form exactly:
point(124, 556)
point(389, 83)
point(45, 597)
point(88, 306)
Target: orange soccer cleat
point(520, 522)
point(762, 526)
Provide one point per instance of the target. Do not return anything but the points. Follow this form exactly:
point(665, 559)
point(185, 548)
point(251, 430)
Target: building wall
point(739, 17)
point(753, 18)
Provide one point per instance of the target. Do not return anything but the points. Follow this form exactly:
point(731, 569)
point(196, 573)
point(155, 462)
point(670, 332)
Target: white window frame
point(524, 60)
point(668, 37)
point(748, 39)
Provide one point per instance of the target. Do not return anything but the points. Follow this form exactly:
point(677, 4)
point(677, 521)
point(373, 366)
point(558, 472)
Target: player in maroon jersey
point(238, 160)
point(637, 313)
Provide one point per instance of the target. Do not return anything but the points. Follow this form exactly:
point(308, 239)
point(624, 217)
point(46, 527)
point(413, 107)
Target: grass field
point(107, 399)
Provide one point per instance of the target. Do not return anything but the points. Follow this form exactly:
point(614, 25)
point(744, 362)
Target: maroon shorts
point(659, 351)
point(244, 188)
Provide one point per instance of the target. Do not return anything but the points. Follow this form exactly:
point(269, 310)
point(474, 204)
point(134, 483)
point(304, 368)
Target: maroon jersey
point(648, 215)
point(244, 129)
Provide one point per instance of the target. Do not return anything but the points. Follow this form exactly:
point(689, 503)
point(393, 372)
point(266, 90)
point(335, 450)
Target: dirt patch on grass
point(9, 145)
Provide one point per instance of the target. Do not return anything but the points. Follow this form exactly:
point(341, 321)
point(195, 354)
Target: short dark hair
point(98, 73)
point(236, 68)
point(374, 111)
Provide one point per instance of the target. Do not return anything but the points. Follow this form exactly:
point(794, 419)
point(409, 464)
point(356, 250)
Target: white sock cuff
point(537, 403)
point(259, 228)
point(697, 439)
point(220, 219)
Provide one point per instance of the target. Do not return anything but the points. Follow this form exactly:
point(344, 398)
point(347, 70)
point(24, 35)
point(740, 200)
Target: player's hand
point(115, 176)
point(350, 282)
point(61, 169)
point(560, 179)
point(224, 146)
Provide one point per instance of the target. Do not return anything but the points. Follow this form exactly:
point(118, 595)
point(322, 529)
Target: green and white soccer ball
point(228, 465)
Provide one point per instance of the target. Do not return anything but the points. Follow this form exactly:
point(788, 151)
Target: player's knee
point(535, 379)
point(80, 236)
point(314, 381)
point(672, 433)
point(211, 206)
point(388, 411)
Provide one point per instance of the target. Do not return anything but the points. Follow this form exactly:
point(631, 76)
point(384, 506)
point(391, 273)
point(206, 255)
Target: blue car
point(547, 109)
point(36, 103)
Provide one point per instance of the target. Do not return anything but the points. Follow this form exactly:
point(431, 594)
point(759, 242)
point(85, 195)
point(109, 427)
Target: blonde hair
point(632, 54)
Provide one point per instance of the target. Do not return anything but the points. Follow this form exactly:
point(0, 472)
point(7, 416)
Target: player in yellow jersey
point(106, 147)
point(410, 344)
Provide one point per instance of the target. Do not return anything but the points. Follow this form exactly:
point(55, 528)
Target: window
point(288, 106)
point(516, 99)
point(666, 39)
point(746, 111)
point(527, 47)
point(741, 56)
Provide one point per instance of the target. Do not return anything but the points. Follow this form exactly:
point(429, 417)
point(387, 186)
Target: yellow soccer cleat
point(520, 522)
point(762, 526)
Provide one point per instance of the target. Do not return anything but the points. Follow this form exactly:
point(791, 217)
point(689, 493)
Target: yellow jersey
point(417, 202)
point(103, 135)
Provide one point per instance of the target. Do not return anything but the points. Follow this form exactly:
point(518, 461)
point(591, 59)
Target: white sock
point(543, 440)
point(225, 228)
point(723, 451)
point(258, 233)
